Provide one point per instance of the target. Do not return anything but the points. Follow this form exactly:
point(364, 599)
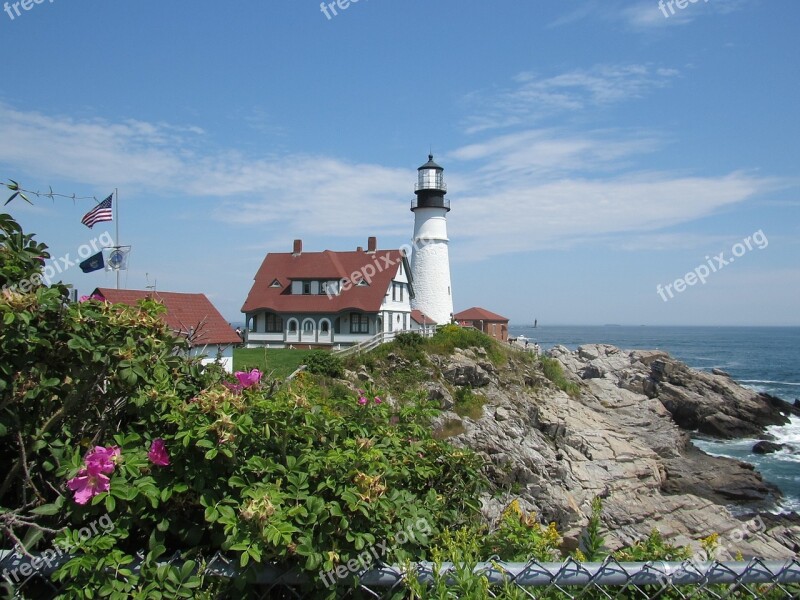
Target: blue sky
point(593, 150)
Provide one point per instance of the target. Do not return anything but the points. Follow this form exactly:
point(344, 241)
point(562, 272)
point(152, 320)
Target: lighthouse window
point(359, 323)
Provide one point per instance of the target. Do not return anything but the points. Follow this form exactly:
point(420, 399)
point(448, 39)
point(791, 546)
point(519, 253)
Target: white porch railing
point(380, 338)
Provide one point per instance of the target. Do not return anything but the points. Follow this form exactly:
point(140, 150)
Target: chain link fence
point(755, 578)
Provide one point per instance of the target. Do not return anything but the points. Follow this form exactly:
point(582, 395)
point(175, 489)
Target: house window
point(359, 323)
point(293, 326)
point(308, 326)
point(297, 288)
point(275, 283)
point(274, 323)
point(306, 288)
point(324, 327)
point(397, 292)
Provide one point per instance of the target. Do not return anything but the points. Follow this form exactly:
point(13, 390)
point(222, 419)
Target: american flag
point(101, 212)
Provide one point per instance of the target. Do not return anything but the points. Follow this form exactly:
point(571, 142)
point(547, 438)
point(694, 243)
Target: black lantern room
point(430, 188)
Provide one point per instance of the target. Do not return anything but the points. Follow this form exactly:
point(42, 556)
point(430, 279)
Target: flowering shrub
point(103, 414)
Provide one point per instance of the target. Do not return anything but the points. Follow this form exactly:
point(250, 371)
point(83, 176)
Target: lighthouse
point(430, 262)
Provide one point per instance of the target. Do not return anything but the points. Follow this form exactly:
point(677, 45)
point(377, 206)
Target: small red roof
point(478, 314)
point(184, 312)
point(380, 266)
point(421, 318)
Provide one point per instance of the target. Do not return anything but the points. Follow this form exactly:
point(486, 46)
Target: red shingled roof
point(184, 311)
point(478, 314)
point(322, 266)
point(421, 318)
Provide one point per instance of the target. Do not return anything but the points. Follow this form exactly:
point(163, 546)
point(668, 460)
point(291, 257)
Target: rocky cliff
point(623, 435)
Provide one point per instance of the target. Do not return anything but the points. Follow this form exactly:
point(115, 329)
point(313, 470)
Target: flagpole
point(116, 193)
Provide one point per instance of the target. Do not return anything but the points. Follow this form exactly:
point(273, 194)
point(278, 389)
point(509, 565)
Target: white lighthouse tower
point(430, 262)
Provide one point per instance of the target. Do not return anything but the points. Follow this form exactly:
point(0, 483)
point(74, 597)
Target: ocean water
point(766, 359)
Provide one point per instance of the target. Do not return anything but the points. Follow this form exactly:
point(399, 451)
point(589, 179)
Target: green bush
point(450, 337)
point(468, 403)
point(195, 463)
point(554, 372)
point(409, 340)
point(325, 363)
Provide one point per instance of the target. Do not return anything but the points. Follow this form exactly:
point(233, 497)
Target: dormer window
point(362, 283)
point(331, 288)
point(275, 284)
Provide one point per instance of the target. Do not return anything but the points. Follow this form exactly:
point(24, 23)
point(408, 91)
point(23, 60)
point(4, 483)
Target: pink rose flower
point(158, 453)
point(102, 459)
point(248, 379)
point(362, 400)
point(88, 483)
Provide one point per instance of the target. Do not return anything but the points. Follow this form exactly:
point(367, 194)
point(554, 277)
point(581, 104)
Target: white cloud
point(526, 190)
point(528, 216)
point(534, 98)
point(302, 193)
point(646, 15)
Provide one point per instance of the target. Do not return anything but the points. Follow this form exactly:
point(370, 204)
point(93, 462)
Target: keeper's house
point(188, 315)
point(484, 320)
point(330, 299)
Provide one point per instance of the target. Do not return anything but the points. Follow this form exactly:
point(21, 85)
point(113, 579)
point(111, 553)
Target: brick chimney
point(298, 247)
point(360, 249)
point(372, 244)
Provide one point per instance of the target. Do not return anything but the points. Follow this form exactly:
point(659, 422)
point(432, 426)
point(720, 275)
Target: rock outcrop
point(626, 438)
point(710, 403)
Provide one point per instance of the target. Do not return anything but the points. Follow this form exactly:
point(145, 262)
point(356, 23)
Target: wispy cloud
point(303, 193)
point(534, 98)
point(528, 190)
point(561, 213)
point(554, 153)
point(646, 14)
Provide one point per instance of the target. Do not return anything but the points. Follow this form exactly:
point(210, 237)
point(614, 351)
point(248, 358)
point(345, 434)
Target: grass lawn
point(282, 362)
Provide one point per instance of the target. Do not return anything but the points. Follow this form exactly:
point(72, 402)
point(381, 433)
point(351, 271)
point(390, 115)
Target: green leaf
point(47, 510)
point(255, 553)
point(236, 481)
